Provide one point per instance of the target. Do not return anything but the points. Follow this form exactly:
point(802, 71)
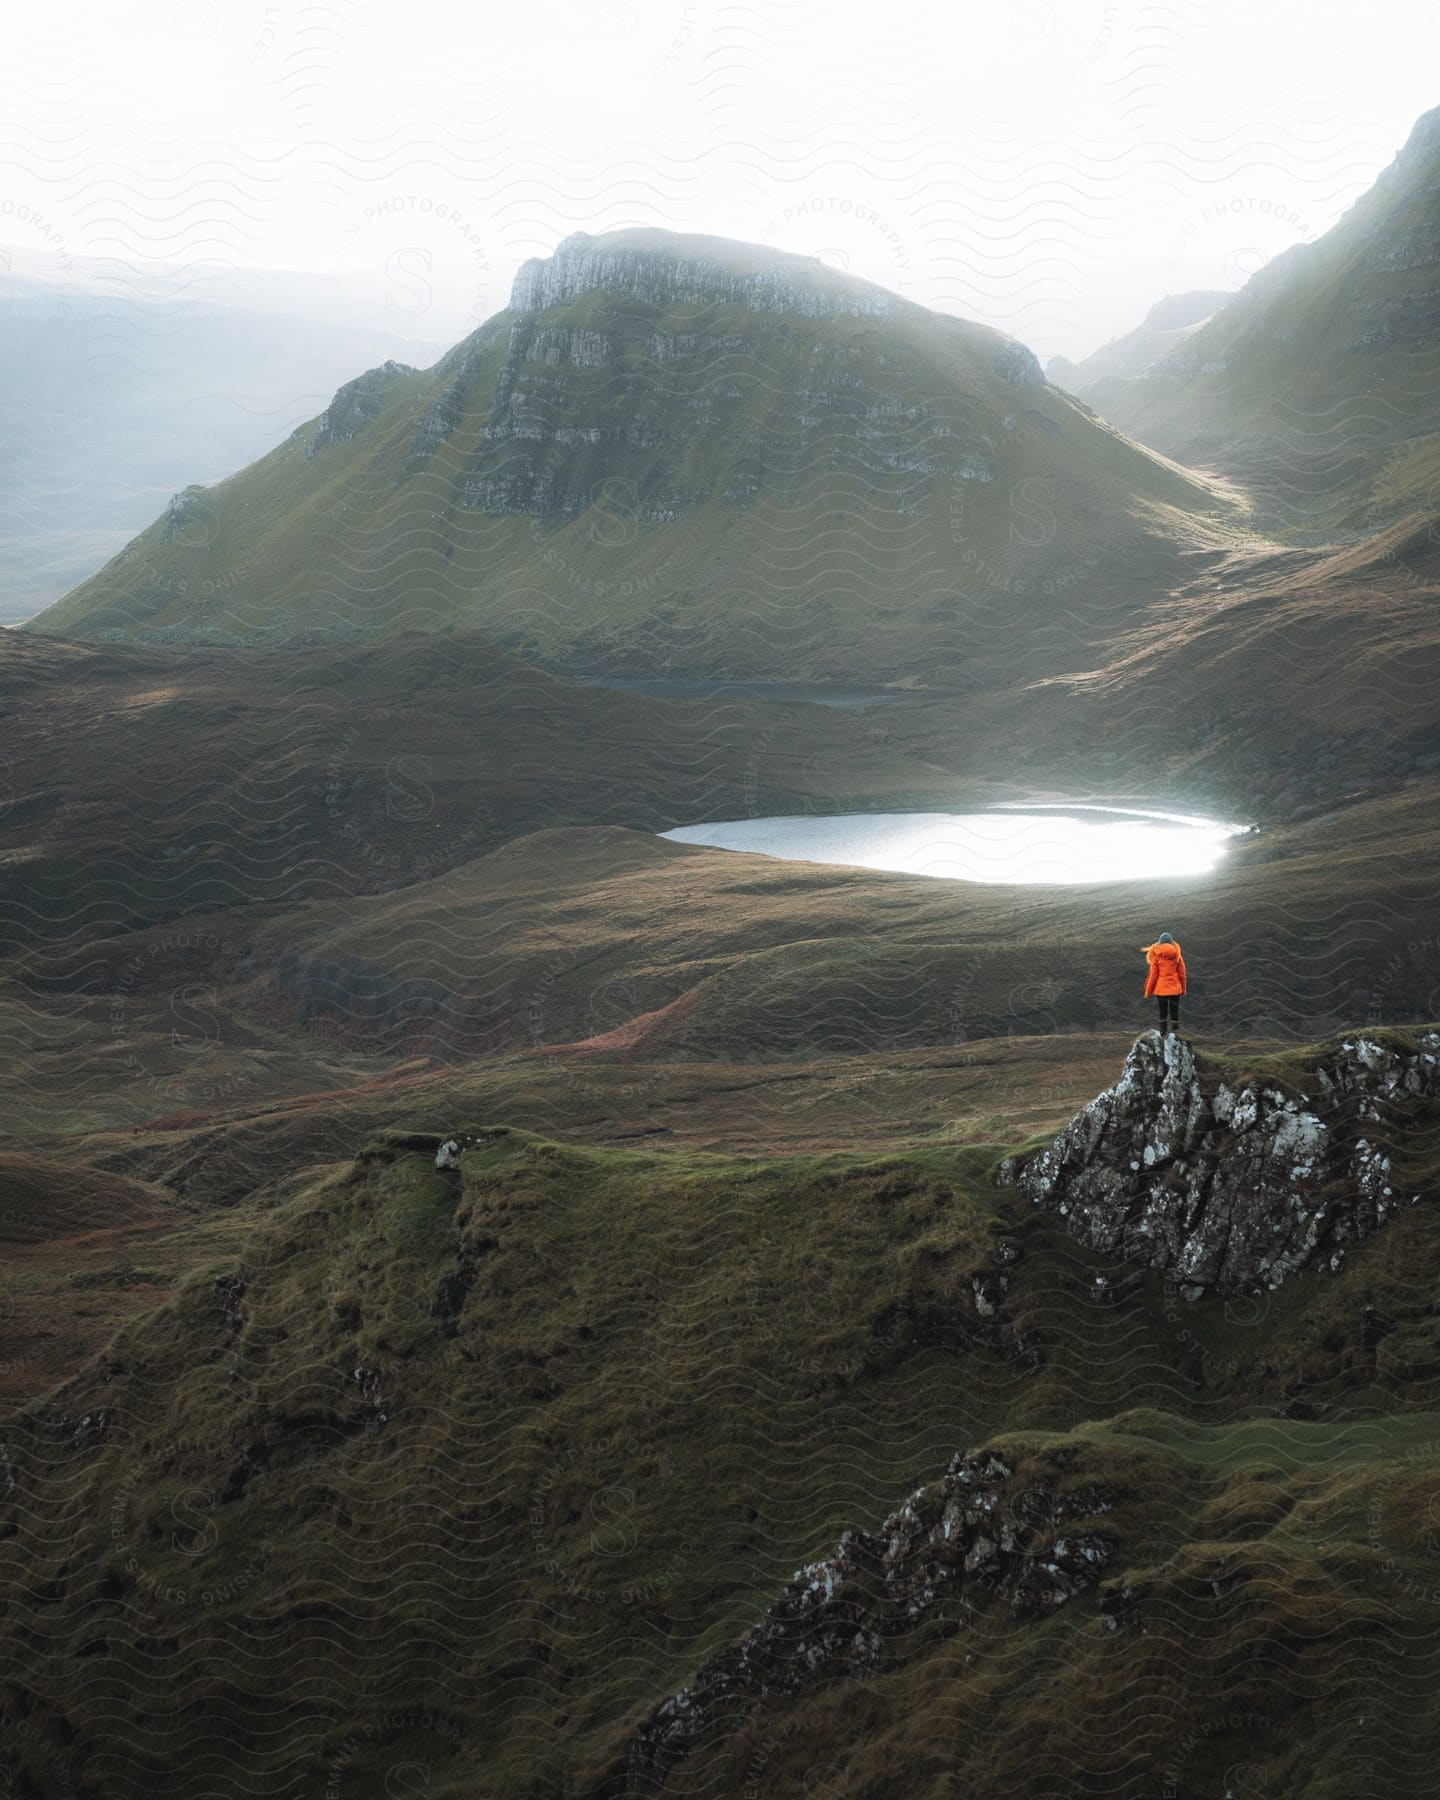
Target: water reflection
point(1082, 844)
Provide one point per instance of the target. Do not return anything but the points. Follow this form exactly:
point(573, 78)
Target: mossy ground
point(488, 1461)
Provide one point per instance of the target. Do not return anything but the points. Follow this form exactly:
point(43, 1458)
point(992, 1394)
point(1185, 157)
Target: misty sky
point(1048, 166)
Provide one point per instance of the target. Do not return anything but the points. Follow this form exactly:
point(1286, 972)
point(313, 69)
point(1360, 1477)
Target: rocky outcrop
point(659, 278)
point(1410, 321)
point(1016, 363)
point(460, 373)
point(983, 1536)
point(586, 349)
point(1233, 1186)
point(355, 405)
point(662, 269)
point(189, 518)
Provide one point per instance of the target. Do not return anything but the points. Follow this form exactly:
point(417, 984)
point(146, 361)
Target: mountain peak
point(662, 267)
point(1315, 384)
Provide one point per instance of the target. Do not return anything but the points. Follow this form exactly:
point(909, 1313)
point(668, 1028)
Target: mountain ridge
point(1168, 323)
point(1317, 385)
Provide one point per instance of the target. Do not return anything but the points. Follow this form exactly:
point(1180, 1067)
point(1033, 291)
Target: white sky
point(1048, 166)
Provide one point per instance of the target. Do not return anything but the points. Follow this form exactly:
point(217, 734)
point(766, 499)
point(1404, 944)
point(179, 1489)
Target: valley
point(1316, 385)
point(503, 1295)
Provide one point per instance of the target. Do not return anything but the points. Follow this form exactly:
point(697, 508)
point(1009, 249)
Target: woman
point(1166, 979)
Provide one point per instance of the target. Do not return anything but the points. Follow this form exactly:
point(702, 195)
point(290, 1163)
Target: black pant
point(1169, 1009)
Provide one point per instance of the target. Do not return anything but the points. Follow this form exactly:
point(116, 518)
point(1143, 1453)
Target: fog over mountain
point(122, 384)
point(1318, 383)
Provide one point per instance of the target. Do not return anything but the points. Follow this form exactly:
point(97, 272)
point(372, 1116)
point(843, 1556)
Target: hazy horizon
point(1053, 173)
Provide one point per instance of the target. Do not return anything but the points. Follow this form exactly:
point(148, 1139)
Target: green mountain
point(1164, 328)
point(1318, 386)
point(684, 453)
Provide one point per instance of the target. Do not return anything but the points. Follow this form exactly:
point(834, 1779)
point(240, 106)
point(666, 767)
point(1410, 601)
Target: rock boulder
point(1231, 1187)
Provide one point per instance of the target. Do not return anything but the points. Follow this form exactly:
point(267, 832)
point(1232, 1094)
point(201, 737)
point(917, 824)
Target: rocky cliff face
point(186, 516)
point(356, 404)
point(582, 264)
point(1233, 1187)
point(653, 414)
point(986, 1535)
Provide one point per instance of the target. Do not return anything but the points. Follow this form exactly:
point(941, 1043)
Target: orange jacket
point(1167, 970)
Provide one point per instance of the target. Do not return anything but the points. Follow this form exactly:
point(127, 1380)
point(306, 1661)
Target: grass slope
point(233, 875)
point(469, 1468)
point(1166, 326)
point(102, 1219)
point(563, 937)
point(142, 783)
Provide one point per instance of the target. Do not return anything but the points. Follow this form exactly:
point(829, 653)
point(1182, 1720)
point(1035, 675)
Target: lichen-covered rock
point(1016, 363)
point(1232, 1189)
point(978, 1537)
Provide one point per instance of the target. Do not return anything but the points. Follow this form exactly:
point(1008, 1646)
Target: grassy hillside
point(117, 392)
point(148, 1171)
point(1164, 328)
point(1273, 683)
point(234, 876)
point(1317, 386)
point(571, 950)
point(141, 783)
point(689, 953)
point(674, 452)
point(465, 1469)
point(331, 1464)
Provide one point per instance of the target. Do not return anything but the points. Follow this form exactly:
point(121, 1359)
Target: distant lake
point(810, 693)
point(1064, 846)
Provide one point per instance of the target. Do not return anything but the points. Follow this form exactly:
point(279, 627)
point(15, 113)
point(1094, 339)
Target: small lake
point(1064, 847)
